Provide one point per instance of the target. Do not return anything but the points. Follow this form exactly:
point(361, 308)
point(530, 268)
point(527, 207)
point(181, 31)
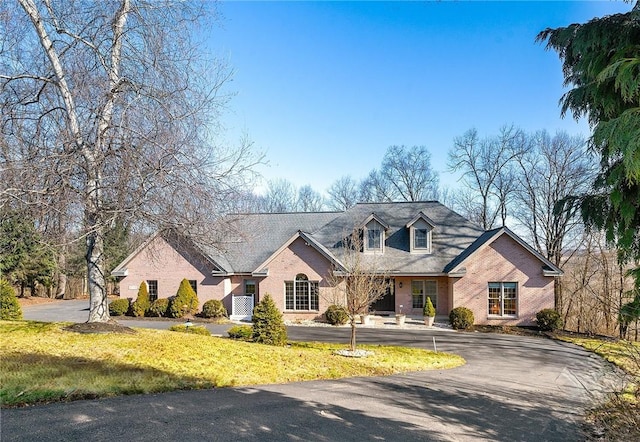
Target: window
point(373, 239)
point(420, 239)
point(503, 298)
point(194, 285)
point(249, 287)
point(422, 289)
point(301, 294)
point(152, 286)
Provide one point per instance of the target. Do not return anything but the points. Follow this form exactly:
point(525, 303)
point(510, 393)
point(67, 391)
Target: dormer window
point(373, 239)
point(373, 234)
point(420, 239)
point(420, 232)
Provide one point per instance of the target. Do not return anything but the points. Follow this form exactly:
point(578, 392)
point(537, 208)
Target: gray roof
point(451, 235)
point(255, 237)
point(252, 238)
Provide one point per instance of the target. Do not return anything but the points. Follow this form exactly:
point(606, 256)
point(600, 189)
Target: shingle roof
point(451, 235)
point(252, 238)
point(257, 236)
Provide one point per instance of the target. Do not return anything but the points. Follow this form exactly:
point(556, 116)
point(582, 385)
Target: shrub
point(549, 319)
point(268, 326)
point(194, 329)
point(9, 306)
point(214, 309)
point(158, 308)
point(241, 332)
point(119, 307)
point(184, 303)
point(429, 310)
point(461, 318)
point(142, 303)
point(336, 315)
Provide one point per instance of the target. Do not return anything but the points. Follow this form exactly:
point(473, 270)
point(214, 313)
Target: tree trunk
point(352, 340)
point(61, 284)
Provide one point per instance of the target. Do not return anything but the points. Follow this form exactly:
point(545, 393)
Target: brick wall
point(404, 295)
point(504, 260)
point(164, 263)
point(297, 258)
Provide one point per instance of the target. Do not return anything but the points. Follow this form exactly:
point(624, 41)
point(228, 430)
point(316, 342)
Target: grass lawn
point(41, 362)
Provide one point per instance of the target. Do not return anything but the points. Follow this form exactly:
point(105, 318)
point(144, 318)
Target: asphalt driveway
point(512, 388)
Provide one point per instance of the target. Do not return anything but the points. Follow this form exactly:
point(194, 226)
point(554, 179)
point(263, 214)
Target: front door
point(388, 302)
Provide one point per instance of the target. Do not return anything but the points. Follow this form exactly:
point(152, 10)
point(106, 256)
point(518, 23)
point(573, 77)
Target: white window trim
point(296, 282)
point(412, 241)
point(365, 236)
point(424, 292)
point(502, 283)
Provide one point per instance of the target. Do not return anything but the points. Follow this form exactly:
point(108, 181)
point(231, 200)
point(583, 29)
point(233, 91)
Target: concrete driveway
point(511, 389)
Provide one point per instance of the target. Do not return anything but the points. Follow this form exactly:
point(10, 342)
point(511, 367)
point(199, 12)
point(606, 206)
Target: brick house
point(426, 250)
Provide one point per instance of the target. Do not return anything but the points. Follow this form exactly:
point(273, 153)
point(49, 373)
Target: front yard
point(42, 362)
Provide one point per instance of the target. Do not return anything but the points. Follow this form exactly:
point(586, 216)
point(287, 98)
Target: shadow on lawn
point(29, 378)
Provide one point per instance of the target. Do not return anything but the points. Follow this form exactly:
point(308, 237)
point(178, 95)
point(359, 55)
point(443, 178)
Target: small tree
point(142, 303)
point(9, 306)
point(429, 310)
point(185, 302)
point(359, 283)
point(268, 326)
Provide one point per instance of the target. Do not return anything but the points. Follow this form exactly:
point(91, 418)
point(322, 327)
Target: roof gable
point(488, 237)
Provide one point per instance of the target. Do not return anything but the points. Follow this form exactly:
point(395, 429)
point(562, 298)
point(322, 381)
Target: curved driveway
point(512, 388)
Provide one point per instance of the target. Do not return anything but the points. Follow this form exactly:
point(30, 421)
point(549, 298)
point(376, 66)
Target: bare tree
point(309, 200)
point(281, 196)
point(486, 169)
point(360, 283)
point(343, 193)
point(116, 110)
point(552, 169)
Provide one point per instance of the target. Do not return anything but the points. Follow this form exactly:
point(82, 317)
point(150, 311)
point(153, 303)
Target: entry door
point(388, 302)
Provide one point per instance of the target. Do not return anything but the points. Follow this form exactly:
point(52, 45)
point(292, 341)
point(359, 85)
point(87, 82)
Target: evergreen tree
point(268, 326)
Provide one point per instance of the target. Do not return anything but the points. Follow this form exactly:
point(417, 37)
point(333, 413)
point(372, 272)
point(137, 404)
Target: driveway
point(512, 388)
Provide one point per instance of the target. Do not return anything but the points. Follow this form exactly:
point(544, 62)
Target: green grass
point(41, 362)
point(623, 354)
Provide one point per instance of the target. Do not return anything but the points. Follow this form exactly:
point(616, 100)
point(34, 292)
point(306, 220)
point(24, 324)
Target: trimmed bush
point(142, 303)
point(184, 303)
point(158, 308)
point(241, 332)
point(213, 309)
point(336, 315)
point(268, 326)
point(549, 319)
point(119, 307)
point(193, 329)
point(461, 318)
point(429, 310)
point(10, 309)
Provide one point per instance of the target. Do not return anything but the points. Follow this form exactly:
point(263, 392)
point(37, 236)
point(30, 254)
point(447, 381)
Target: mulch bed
point(99, 327)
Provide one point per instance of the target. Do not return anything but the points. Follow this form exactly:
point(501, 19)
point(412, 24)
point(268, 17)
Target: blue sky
point(323, 88)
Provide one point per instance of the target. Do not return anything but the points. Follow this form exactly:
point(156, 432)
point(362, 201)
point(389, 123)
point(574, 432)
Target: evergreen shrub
point(158, 308)
point(213, 308)
point(10, 309)
point(548, 319)
point(268, 326)
point(119, 307)
point(193, 329)
point(336, 315)
point(142, 303)
point(461, 318)
point(184, 303)
point(241, 332)
point(429, 310)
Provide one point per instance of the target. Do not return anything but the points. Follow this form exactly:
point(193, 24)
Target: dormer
point(373, 234)
point(420, 234)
